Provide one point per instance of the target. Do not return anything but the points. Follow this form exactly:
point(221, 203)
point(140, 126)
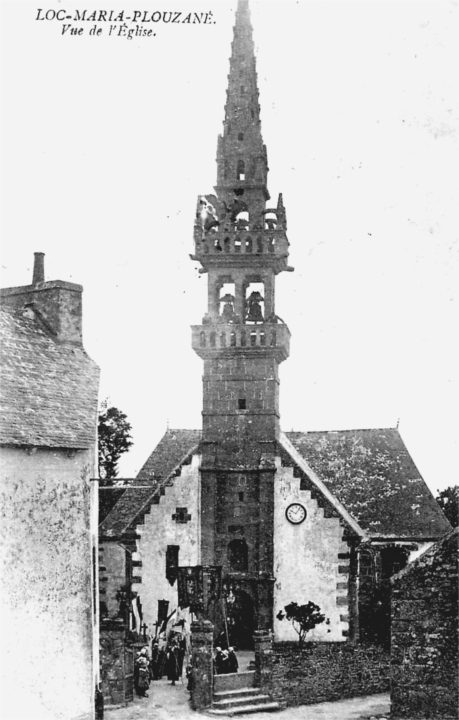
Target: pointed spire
point(241, 157)
point(243, 86)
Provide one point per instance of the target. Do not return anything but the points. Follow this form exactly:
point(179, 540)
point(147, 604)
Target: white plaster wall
point(159, 531)
point(47, 619)
point(306, 561)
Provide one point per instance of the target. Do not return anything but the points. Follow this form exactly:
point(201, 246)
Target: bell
point(228, 307)
point(254, 309)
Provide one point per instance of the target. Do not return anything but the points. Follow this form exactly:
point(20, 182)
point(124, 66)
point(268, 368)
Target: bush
point(303, 618)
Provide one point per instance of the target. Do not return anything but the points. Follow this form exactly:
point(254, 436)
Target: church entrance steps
point(235, 694)
point(233, 681)
point(236, 698)
point(246, 709)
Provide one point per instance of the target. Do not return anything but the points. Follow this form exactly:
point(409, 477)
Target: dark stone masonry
point(321, 672)
point(116, 665)
point(424, 645)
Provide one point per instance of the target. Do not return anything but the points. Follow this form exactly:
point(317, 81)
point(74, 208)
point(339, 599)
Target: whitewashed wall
point(306, 561)
point(159, 531)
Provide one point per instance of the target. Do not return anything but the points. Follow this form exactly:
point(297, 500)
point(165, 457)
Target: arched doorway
point(238, 556)
point(240, 617)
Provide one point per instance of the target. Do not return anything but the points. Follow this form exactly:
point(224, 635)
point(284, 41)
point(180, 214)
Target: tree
point(114, 440)
point(448, 500)
point(303, 618)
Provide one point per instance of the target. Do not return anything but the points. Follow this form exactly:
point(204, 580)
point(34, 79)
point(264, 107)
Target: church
point(326, 517)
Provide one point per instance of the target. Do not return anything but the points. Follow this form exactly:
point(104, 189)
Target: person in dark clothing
point(218, 661)
point(233, 664)
point(189, 677)
point(172, 663)
point(181, 653)
point(155, 663)
point(225, 666)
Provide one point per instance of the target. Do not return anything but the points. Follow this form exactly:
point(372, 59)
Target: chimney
point(57, 304)
point(38, 268)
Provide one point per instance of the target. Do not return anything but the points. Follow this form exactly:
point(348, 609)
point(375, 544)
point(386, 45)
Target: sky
point(107, 142)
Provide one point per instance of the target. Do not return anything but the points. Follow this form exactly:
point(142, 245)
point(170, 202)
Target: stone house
point(424, 647)
point(48, 425)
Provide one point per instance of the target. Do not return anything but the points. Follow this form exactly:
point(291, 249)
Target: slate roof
point(370, 472)
point(108, 497)
point(163, 464)
point(48, 390)
point(173, 446)
point(373, 475)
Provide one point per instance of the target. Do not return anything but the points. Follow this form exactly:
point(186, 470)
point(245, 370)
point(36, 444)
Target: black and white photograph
point(229, 360)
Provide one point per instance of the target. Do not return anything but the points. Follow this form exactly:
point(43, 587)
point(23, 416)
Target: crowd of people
point(167, 658)
point(225, 661)
point(163, 660)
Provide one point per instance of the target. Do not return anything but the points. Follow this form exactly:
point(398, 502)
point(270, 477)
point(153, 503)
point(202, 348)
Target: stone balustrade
point(216, 336)
point(221, 242)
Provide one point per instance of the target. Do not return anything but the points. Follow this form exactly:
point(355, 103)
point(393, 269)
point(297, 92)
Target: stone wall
point(320, 672)
point(116, 665)
point(424, 643)
point(202, 664)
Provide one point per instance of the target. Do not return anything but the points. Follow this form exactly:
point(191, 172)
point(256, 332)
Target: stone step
point(235, 702)
point(233, 681)
point(239, 692)
point(246, 709)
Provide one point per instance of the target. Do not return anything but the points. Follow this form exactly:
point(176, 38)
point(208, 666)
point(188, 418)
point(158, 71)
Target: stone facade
point(424, 647)
point(202, 664)
point(320, 672)
point(116, 665)
point(323, 575)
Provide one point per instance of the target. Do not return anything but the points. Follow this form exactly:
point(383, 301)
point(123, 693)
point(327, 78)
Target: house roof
point(373, 475)
point(48, 389)
point(173, 450)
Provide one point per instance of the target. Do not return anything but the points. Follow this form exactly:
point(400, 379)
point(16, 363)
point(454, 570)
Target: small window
point(242, 404)
point(240, 136)
point(241, 496)
point(172, 563)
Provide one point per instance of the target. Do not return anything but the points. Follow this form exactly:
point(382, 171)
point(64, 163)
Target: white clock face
point(295, 513)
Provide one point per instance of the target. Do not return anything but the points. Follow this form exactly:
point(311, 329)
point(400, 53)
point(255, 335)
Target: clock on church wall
point(295, 513)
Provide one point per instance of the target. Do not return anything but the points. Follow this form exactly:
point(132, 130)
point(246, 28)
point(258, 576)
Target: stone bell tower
point(241, 243)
